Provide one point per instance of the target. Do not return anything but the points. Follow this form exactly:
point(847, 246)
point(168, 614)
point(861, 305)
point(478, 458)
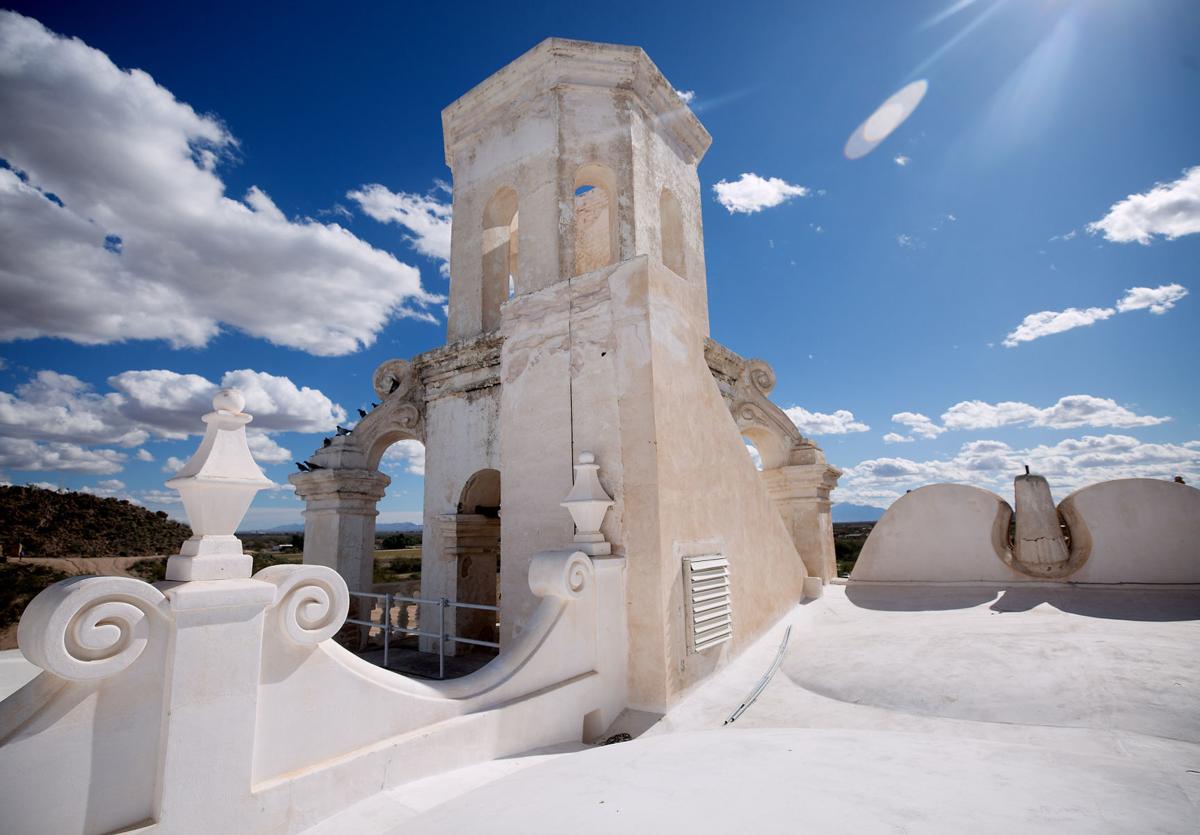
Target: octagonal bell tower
point(575, 157)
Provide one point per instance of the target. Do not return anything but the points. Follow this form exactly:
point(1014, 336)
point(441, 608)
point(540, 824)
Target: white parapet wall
point(223, 705)
point(1127, 531)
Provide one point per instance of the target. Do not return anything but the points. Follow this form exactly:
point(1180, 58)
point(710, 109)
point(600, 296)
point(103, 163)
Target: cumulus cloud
point(166, 404)
point(31, 456)
point(840, 422)
point(173, 465)
point(751, 193)
point(686, 95)
point(1158, 299)
point(1046, 322)
point(425, 219)
point(265, 450)
point(158, 403)
point(901, 160)
point(1071, 412)
point(1068, 465)
point(1168, 209)
point(115, 225)
point(918, 424)
point(405, 456)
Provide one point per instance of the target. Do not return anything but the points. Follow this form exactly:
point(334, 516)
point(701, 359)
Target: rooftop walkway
point(895, 709)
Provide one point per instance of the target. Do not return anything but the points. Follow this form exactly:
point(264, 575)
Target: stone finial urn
point(217, 485)
point(587, 503)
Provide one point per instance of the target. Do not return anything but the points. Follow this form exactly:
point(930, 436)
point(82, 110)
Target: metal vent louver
point(707, 605)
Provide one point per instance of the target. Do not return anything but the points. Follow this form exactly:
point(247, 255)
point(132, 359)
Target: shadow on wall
point(1151, 605)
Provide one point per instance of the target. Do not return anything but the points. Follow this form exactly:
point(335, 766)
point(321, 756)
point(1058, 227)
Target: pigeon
point(326, 442)
point(362, 413)
point(313, 467)
point(302, 467)
point(374, 405)
point(341, 430)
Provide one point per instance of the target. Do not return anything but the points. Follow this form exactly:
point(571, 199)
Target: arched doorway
point(474, 544)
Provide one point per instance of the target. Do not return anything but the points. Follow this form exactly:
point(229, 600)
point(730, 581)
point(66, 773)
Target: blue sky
point(1049, 170)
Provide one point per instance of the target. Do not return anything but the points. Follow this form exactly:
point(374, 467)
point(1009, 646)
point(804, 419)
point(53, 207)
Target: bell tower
point(575, 157)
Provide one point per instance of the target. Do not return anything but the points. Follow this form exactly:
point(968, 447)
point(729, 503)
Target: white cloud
point(1068, 465)
point(31, 456)
point(907, 241)
point(1036, 325)
point(918, 424)
point(160, 403)
point(170, 403)
point(426, 219)
point(755, 455)
point(840, 422)
point(751, 193)
point(173, 465)
point(1168, 209)
point(901, 160)
point(686, 95)
point(897, 438)
point(1071, 412)
point(140, 240)
point(55, 406)
point(265, 450)
point(159, 497)
point(110, 488)
point(1158, 299)
point(405, 456)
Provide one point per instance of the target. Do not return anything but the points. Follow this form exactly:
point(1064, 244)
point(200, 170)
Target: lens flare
point(886, 118)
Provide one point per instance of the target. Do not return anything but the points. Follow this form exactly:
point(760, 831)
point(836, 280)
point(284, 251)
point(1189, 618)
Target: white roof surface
point(896, 709)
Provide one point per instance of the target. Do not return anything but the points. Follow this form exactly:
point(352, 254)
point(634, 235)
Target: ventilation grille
point(707, 604)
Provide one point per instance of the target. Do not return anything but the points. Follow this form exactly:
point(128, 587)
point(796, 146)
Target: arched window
point(671, 228)
point(594, 219)
point(500, 241)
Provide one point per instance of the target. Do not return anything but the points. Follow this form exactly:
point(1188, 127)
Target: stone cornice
point(556, 62)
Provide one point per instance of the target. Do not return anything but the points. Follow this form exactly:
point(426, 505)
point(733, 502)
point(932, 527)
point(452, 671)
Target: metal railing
point(442, 636)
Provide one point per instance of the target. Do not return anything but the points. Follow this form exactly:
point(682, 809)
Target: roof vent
point(707, 605)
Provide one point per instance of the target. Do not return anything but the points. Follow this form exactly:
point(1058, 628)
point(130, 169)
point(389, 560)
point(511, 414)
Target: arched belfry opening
point(671, 229)
point(594, 219)
point(500, 245)
point(473, 545)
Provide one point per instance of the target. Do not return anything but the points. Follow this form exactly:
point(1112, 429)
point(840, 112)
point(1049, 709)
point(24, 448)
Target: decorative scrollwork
point(761, 375)
point(562, 574)
point(394, 378)
point(311, 601)
point(89, 628)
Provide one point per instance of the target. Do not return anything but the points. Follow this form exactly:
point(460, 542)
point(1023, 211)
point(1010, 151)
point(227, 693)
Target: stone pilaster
point(339, 521)
point(801, 493)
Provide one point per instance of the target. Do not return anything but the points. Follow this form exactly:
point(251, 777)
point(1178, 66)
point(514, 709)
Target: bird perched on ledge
point(341, 430)
point(302, 467)
point(362, 413)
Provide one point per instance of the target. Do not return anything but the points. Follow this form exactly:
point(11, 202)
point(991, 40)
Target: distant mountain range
point(387, 527)
point(843, 512)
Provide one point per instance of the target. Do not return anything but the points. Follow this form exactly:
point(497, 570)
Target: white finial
point(217, 485)
point(229, 400)
point(587, 503)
